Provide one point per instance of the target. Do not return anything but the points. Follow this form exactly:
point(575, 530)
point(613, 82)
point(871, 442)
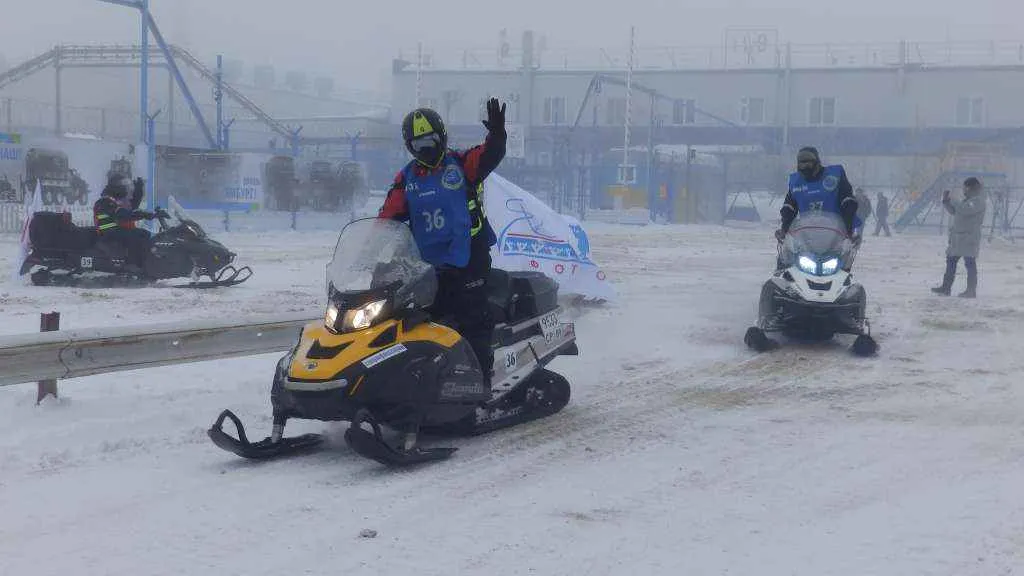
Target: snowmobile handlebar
point(161, 215)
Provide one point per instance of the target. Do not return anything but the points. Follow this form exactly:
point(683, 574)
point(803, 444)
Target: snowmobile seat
point(518, 296)
point(109, 247)
point(56, 231)
point(499, 294)
point(85, 237)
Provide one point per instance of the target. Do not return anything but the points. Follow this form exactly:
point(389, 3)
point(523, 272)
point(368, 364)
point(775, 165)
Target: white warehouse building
point(906, 117)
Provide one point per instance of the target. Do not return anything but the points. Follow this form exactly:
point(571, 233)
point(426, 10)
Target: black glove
point(855, 238)
point(780, 235)
point(138, 192)
point(495, 122)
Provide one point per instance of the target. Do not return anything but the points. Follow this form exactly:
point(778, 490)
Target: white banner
point(33, 203)
point(245, 183)
point(533, 237)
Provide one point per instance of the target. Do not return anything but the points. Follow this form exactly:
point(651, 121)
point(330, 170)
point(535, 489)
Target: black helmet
point(117, 186)
point(425, 136)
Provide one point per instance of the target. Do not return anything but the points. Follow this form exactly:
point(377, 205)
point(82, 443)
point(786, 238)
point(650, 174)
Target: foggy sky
point(356, 40)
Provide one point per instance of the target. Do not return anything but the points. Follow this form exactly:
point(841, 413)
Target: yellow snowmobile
point(380, 359)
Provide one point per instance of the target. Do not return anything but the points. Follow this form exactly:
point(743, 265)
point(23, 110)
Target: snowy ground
point(681, 452)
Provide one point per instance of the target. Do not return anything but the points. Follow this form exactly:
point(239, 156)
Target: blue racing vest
point(439, 214)
point(820, 195)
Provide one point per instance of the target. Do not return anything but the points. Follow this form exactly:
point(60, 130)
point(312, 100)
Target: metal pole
point(218, 95)
point(170, 109)
point(48, 322)
point(151, 160)
point(419, 74)
point(629, 101)
point(227, 139)
point(58, 97)
point(651, 190)
point(144, 75)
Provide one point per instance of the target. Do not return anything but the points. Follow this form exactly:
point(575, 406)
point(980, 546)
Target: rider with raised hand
point(439, 193)
point(114, 216)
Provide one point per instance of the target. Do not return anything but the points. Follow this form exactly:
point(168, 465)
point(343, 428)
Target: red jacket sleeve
point(479, 161)
point(395, 206)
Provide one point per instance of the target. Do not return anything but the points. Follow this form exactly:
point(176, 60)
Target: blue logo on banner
point(539, 244)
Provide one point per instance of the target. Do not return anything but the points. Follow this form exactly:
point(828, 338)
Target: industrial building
point(906, 117)
point(698, 132)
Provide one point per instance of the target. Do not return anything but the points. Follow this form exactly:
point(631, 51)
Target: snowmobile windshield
point(375, 254)
point(183, 217)
point(817, 243)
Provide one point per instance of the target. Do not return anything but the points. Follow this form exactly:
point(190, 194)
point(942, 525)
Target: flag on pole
point(32, 204)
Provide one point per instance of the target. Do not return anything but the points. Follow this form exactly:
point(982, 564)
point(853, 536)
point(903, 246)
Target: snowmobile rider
point(115, 221)
point(439, 193)
point(814, 187)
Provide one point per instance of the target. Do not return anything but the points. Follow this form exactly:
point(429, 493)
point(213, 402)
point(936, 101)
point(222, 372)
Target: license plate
point(549, 325)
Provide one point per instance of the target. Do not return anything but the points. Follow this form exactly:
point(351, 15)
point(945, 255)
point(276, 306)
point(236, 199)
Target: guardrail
point(76, 353)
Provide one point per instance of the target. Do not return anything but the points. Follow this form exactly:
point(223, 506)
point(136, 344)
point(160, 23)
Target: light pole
point(145, 122)
point(143, 7)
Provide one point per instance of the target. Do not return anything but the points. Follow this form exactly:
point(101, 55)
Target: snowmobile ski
point(758, 340)
point(865, 346)
point(264, 449)
point(227, 276)
point(373, 446)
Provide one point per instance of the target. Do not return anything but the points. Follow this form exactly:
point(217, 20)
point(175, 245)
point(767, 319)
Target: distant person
point(964, 237)
point(882, 215)
point(864, 209)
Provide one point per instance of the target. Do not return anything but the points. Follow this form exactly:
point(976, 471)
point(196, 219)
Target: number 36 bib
point(438, 213)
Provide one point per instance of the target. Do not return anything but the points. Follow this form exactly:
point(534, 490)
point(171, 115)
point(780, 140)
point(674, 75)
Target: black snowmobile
point(379, 358)
point(812, 296)
point(63, 254)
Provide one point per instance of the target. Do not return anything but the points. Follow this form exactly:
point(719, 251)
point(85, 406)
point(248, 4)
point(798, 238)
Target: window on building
point(970, 111)
point(512, 111)
point(554, 110)
point(684, 111)
point(822, 111)
point(752, 111)
point(615, 113)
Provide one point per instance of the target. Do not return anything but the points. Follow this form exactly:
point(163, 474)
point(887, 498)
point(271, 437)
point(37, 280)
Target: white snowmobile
point(812, 296)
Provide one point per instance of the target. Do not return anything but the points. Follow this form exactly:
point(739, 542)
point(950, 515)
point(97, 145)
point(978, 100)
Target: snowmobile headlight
point(829, 266)
point(331, 317)
point(807, 264)
point(362, 317)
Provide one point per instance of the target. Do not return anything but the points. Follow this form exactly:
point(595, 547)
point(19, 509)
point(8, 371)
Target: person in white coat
point(964, 237)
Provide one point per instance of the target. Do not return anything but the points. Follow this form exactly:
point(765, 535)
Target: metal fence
point(740, 49)
point(72, 354)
